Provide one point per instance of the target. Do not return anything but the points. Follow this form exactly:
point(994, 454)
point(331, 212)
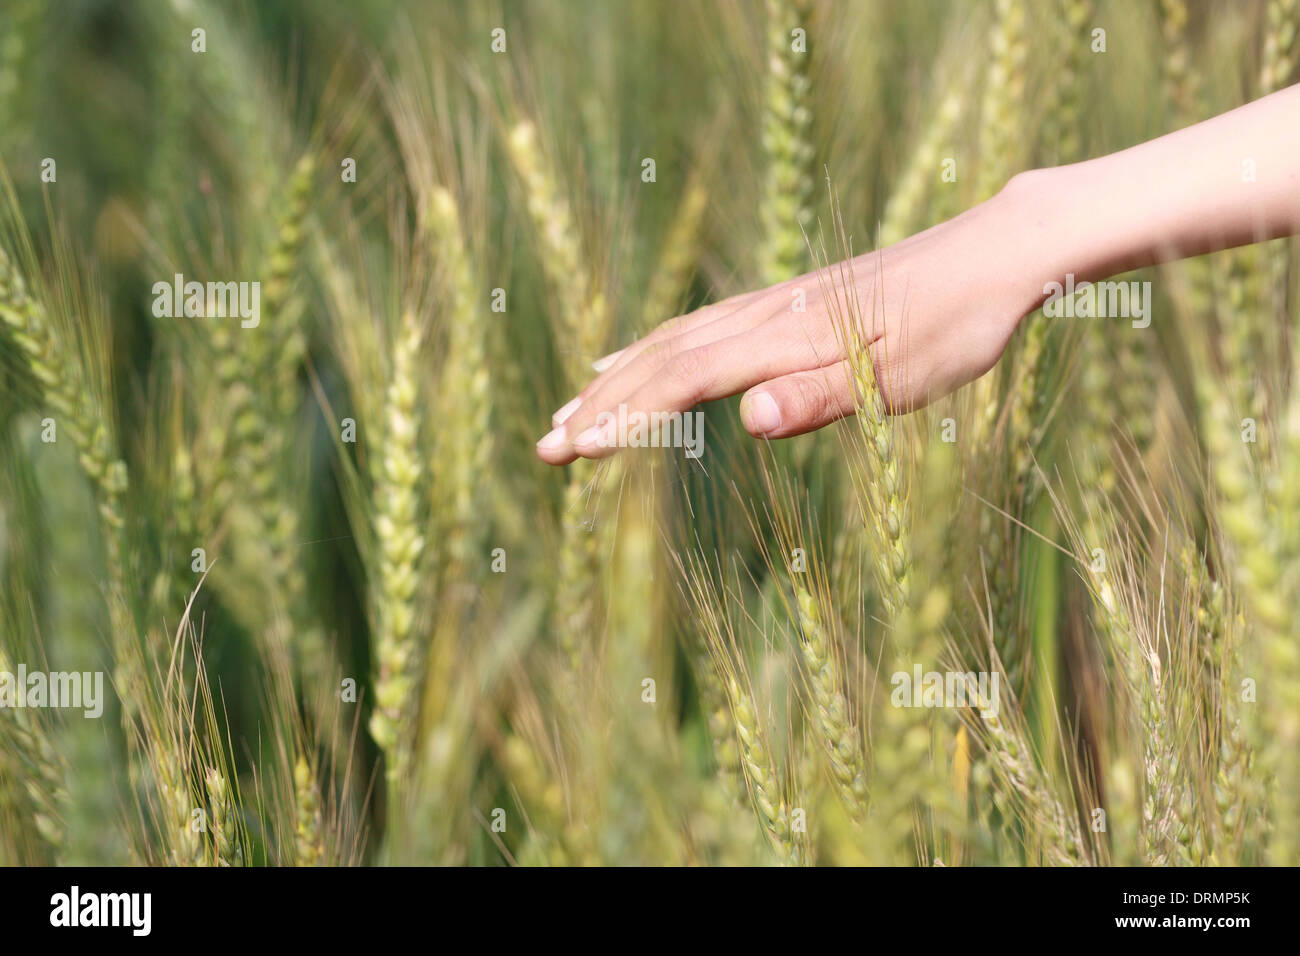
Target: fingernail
point(552, 440)
point(565, 411)
point(760, 413)
point(603, 363)
point(597, 436)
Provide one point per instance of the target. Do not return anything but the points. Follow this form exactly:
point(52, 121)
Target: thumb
point(798, 403)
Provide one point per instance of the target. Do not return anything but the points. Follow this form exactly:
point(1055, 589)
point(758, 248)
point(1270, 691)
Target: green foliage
point(349, 618)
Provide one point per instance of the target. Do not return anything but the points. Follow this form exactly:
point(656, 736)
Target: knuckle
point(892, 369)
point(654, 355)
point(811, 399)
point(690, 372)
point(668, 328)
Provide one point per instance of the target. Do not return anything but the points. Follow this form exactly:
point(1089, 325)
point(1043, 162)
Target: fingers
point(700, 327)
point(608, 389)
point(671, 338)
point(701, 374)
point(798, 403)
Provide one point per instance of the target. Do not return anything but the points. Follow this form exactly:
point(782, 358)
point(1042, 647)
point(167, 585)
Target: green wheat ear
point(785, 202)
point(834, 725)
point(583, 314)
point(1258, 547)
point(760, 771)
point(908, 201)
point(1279, 44)
point(1180, 77)
point(1064, 139)
point(582, 328)
point(63, 385)
point(396, 504)
point(465, 388)
point(1004, 97)
point(227, 849)
point(62, 381)
point(309, 835)
point(29, 755)
point(905, 778)
point(677, 260)
point(257, 372)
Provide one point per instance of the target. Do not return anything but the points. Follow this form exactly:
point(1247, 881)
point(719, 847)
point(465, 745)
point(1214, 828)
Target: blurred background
point(406, 640)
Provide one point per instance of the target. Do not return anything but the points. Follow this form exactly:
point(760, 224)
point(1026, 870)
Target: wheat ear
point(1017, 771)
point(309, 833)
point(904, 776)
point(227, 849)
point(834, 725)
point(38, 764)
point(677, 257)
point(784, 204)
point(1282, 25)
point(63, 384)
point(583, 326)
point(582, 311)
point(1259, 565)
point(760, 771)
point(1003, 97)
point(396, 503)
point(466, 385)
point(906, 204)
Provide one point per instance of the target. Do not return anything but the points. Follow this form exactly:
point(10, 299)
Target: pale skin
point(951, 297)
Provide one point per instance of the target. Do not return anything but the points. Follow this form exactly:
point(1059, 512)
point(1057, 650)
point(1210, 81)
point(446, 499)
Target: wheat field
point(288, 290)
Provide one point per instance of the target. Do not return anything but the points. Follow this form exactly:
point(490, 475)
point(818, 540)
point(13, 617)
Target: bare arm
point(1228, 181)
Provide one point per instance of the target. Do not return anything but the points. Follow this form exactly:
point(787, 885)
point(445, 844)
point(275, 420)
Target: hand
point(938, 310)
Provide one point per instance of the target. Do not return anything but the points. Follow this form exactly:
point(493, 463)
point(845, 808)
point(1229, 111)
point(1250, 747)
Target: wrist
point(1036, 242)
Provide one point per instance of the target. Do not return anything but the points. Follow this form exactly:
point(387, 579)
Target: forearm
point(1229, 181)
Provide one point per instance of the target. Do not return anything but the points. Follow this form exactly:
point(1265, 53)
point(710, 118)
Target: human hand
point(937, 311)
